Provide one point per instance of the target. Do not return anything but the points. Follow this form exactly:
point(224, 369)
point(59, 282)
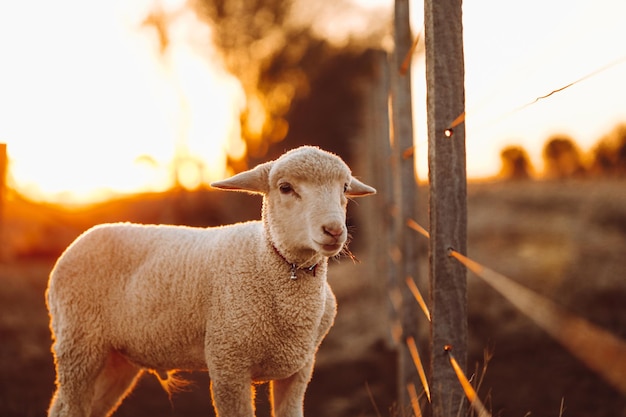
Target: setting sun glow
point(94, 104)
point(92, 108)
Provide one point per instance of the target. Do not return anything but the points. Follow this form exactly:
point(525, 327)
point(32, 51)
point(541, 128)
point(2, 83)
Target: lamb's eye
point(285, 188)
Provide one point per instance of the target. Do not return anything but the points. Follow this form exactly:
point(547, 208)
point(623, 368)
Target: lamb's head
point(305, 193)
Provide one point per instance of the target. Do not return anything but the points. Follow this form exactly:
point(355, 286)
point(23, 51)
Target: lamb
point(248, 302)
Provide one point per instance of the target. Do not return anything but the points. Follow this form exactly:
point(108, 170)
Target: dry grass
point(564, 240)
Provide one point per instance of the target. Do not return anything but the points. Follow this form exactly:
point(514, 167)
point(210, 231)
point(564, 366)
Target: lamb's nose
point(333, 230)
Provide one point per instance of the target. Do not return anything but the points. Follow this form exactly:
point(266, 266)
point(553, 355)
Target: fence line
point(415, 403)
point(448, 214)
point(462, 116)
point(418, 228)
point(406, 63)
point(410, 341)
point(470, 393)
point(598, 349)
point(418, 296)
point(583, 78)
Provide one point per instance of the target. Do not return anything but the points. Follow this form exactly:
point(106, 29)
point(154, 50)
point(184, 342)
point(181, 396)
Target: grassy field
point(566, 240)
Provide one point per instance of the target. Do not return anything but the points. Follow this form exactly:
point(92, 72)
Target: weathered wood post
point(379, 210)
point(448, 194)
point(406, 196)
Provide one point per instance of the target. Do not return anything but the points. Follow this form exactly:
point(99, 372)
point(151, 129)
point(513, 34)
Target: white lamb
point(249, 301)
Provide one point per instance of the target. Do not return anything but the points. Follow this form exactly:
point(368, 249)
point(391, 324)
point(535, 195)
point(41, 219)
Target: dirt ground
point(565, 240)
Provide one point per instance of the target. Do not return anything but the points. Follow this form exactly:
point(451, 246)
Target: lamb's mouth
point(331, 249)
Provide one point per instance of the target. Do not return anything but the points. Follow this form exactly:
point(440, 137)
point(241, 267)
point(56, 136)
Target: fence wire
point(598, 349)
point(461, 117)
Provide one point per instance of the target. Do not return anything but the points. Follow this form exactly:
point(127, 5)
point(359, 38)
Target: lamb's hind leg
point(113, 384)
point(77, 371)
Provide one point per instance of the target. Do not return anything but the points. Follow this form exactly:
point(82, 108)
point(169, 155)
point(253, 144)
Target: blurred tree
point(250, 36)
point(300, 87)
point(609, 154)
point(515, 163)
point(562, 158)
point(331, 114)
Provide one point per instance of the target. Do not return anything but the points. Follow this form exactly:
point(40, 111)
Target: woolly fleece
point(124, 298)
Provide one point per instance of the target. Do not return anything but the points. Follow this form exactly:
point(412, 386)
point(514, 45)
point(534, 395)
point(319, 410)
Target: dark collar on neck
point(311, 269)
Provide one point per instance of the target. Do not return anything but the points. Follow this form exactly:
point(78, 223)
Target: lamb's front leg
point(232, 398)
point(287, 395)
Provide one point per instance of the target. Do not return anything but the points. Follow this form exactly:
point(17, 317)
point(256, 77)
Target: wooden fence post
point(380, 230)
point(448, 195)
point(406, 197)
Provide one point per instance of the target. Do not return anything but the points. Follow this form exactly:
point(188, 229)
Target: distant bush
point(609, 155)
point(562, 158)
point(515, 163)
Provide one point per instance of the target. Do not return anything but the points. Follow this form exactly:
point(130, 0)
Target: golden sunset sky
point(88, 106)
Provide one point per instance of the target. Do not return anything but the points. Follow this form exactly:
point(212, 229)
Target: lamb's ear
point(359, 189)
point(255, 181)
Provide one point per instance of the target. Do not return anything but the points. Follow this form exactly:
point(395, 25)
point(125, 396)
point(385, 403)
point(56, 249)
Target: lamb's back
point(115, 256)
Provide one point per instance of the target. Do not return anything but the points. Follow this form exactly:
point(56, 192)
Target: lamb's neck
point(306, 260)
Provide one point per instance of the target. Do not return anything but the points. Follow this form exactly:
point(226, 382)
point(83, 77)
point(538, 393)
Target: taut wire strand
point(467, 387)
point(461, 117)
point(597, 348)
point(406, 63)
point(418, 296)
point(583, 78)
point(415, 404)
point(418, 228)
point(410, 342)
